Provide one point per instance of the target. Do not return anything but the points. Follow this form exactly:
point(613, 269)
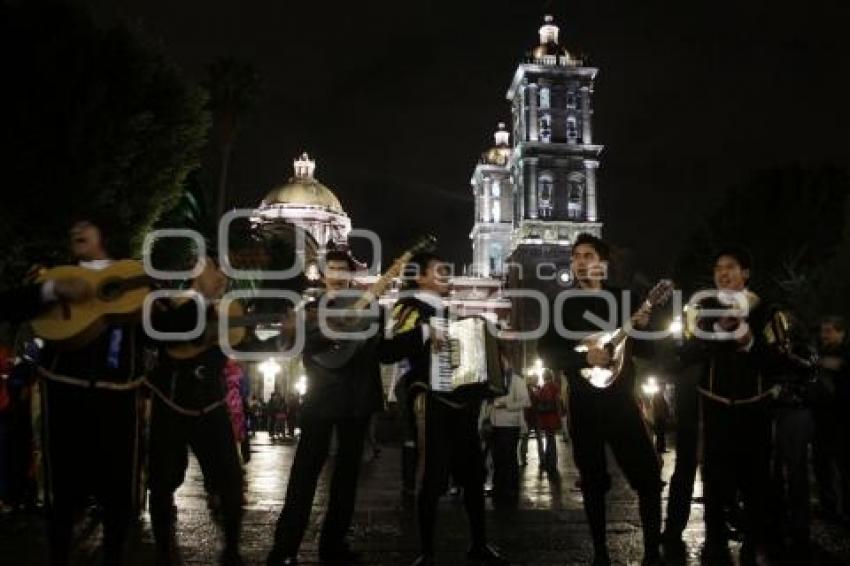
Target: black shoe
point(231, 558)
point(601, 558)
point(276, 558)
point(424, 560)
point(342, 556)
point(716, 554)
point(675, 549)
point(486, 555)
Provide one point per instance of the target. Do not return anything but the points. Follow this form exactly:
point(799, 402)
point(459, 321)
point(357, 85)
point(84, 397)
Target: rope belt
point(735, 402)
point(87, 384)
point(128, 386)
point(177, 408)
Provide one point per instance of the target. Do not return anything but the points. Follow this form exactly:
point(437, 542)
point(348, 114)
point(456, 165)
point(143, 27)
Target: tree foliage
point(794, 222)
point(93, 120)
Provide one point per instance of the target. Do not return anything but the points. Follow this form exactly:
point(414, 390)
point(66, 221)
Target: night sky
point(397, 99)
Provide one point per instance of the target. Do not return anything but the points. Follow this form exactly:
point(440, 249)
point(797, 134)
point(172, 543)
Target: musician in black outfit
point(448, 443)
point(341, 399)
point(91, 433)
point(831, 446)
point(686, 402)
point(737, 365)
point(605, 416)
point(189, 410)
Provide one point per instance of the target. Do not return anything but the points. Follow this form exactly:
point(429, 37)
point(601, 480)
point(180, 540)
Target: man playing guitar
point(189, 411)
point(90, 401)
point(603, 416)
point(340, 399)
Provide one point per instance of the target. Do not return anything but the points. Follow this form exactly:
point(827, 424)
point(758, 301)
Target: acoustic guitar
point(118, 294)
point(340, 352)
point(615, 342)
point(237, 330)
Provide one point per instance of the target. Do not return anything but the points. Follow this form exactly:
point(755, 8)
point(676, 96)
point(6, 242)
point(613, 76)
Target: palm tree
point(232, 87)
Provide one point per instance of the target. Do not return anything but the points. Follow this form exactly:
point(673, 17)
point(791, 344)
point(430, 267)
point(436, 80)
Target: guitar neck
point(622, 333)
point(383, 282)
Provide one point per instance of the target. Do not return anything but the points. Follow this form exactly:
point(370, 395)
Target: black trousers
point(452, 448)
point(310, 456)
point(505, 462)
point(90, 449)
point(737, 442)
point(614, 418)
point(687, 439)
point(831, 458)
point(211, 439)
point(793, 431)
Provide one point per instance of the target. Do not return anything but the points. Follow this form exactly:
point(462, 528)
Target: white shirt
point(517, 399)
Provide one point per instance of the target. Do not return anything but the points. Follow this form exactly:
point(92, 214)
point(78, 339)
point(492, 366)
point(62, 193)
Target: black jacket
point(355, 389)
point(558, 352)
point(409, 315)
point(731, 374)
point(194, 383)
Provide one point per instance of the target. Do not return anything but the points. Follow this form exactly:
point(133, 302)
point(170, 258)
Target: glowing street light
point(676, 327)
point(650, 386)
point(269, 368)
point(301, 385)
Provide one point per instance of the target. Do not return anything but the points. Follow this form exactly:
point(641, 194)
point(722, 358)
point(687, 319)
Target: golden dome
point(500, 153)
point(304, 190)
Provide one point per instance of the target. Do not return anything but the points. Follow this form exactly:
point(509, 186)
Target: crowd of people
point(751, 387)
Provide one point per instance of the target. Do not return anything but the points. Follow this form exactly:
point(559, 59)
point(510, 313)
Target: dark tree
point(794, 222)
point(93, 120)
point(232, 87)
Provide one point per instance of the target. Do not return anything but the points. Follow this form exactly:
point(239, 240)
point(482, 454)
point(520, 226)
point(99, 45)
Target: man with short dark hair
point(610, 416)
point(446, 423)
point(831, 447)
point(738, 364)
point(340, 399)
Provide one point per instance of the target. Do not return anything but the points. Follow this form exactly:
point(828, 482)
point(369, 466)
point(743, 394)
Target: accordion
point(468, 357)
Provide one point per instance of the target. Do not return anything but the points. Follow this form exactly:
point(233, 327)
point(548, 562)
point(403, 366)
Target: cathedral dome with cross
point(308, 204)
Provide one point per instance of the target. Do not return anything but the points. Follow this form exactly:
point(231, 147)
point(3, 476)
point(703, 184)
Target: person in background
point(531, 424)
point(660, 415)
point(506, 418)
point(832, 421)
point(548, 416)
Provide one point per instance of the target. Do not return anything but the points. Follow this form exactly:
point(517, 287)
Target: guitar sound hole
point(110, 290)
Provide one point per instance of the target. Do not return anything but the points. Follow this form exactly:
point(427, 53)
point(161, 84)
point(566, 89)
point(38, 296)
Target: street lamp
point(269, 368)
point(301, 385)
point(676, 327)
point(650, 387)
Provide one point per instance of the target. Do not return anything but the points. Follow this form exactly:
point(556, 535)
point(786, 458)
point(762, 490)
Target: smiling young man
point(609, 416)
point(735, 391)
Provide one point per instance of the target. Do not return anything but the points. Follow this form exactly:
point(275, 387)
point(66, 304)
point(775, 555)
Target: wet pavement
point(547, 527)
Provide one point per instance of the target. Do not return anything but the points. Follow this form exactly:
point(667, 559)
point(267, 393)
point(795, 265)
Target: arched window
point(572, 129)
point(545, 97)
point(545, 195)
point(495, 259)
point(545, 128)
point(575, 197)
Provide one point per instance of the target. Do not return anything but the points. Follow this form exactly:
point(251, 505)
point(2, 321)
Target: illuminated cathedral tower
point(493, 189)
point(549, 169)
point(554, 158)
